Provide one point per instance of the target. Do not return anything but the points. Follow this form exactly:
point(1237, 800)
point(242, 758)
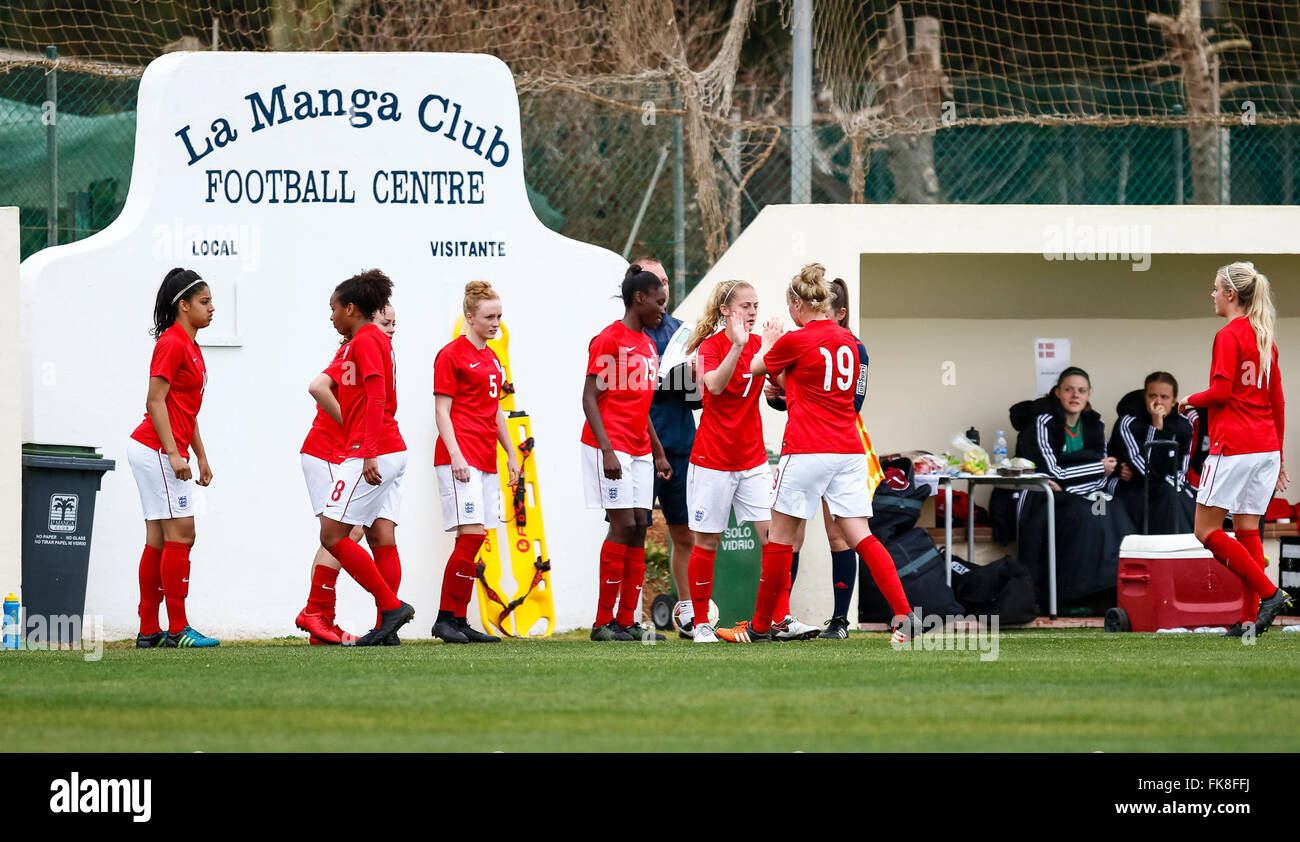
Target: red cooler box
point(1171, 581)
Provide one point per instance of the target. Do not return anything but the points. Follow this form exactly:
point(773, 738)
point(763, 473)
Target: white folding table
point(1026, 481)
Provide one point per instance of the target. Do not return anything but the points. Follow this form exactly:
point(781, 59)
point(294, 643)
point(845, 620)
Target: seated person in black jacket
point(1066, 439)
point(1146, 417)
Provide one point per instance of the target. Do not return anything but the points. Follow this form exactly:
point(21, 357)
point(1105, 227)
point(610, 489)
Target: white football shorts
point(804, 479)
point(464, 503)
point(711, 495)
point(355, 501)
point(319, 475)
point(634, 490)
point(162, 495)
point(1242, 483)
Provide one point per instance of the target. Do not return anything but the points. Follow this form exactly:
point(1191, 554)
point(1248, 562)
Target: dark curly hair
point(369, 291)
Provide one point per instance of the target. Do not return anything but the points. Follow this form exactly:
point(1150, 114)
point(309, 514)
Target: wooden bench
point(984, 534)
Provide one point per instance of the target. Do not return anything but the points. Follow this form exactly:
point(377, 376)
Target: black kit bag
point(920, 568)
point(1002, 588)
point(896, 510)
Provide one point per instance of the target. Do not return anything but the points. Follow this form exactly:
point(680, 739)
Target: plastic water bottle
point(1000, 449)
point(11, 623)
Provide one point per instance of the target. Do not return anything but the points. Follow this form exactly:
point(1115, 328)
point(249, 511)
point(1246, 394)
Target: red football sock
point(700, 571)
point(629, 593)
point(1232, 555)
point(885, 574)
point(321, 598)
point(361, 566)
point(175, 569)
point(782, 607)
point(151, 589)
point(772, 581)
point(1249, 538)
point(611, 578)
point(390, 567)
point(458, 578)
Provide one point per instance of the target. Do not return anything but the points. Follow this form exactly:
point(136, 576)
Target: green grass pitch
point(1073, 690)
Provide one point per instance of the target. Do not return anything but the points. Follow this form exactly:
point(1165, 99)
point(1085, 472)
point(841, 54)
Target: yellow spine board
point(523, 546)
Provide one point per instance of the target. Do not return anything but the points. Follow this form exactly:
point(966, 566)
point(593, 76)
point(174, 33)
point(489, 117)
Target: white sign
point(276, 176)
point(1051, 357)
point(63, 512)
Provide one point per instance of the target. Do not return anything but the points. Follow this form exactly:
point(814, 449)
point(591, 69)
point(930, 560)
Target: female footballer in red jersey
point(844, 561)
point(322, 452)
point(467, 380)
point(617, 442)
point(1247, 420)
point(728, 466)
point(368, 482)
point(158, 453)
point(822, 454)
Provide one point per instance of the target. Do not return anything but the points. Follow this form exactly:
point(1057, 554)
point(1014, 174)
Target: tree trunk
point(1198, 63)
point(857, 169)
point(302, 24)
point(912, 91)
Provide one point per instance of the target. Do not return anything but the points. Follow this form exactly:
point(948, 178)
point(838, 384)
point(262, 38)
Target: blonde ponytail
point(712, 319)
point(1256, 297)
point(810, 287)
point(476, 291)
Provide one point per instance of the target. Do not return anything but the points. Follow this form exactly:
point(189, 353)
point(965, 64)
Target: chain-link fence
point(593, 163)
point(1019, 163)
point(89, 120)
point(591, 167)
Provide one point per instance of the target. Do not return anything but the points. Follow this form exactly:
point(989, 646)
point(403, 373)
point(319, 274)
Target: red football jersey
point(369, 354)
point(325, 438)
point(730, 437)
point(627, 366)
point(472, 378)
point(1245, 423)
point(177, 359)
point(820, 362)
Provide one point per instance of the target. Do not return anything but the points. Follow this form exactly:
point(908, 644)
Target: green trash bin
point(736, 569)
point(59, 487)
point(735, 573)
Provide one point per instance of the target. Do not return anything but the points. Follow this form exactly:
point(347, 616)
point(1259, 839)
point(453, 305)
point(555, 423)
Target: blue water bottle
point(12, 626)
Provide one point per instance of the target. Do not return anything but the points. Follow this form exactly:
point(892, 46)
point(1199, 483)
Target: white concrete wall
point(11, 405)
point(90, 304)
point(970, 285)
